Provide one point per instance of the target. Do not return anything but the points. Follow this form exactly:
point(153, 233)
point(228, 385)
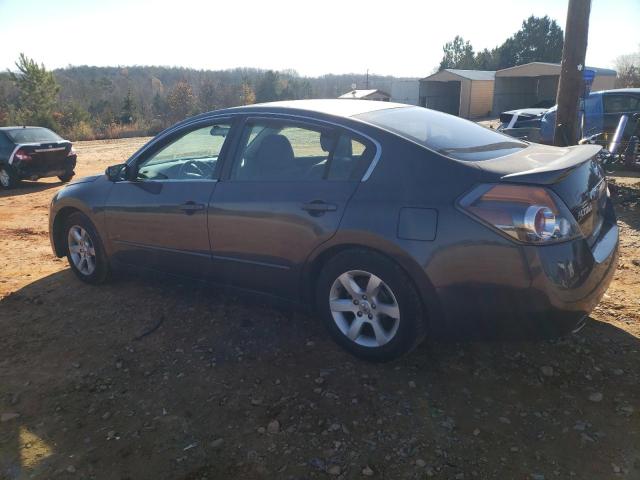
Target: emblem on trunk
point(585, 209)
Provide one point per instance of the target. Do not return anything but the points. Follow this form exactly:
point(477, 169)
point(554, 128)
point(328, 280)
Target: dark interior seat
point(273, 159)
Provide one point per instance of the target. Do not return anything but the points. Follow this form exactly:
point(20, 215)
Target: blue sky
point(402, 38)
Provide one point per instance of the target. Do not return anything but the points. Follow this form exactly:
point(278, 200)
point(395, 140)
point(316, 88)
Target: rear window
point(33, 135)
point(443, 133)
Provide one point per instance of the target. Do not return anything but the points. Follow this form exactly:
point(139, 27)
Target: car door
point(282, 196)
point(157, 216)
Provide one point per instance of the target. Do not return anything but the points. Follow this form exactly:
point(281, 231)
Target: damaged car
point(31, 153)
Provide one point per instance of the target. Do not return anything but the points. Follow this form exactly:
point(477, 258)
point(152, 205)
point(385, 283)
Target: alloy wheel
point(81, 250)
point(364, 308)
point(5, 180)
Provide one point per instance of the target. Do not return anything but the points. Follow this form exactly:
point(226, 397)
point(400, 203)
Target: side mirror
point(118, 172)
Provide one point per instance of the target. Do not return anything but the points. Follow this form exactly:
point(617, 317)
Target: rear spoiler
point(554, 171)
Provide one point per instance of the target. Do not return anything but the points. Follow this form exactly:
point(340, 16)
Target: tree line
point(85, 102)
point(540, 39)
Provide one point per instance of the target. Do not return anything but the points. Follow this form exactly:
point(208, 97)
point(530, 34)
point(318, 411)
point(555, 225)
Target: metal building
point(466, 93)
point(405, 90)
point(536, 84)
point(372, 94)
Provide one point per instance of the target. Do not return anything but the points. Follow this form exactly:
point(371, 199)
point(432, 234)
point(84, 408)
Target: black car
point(393, 222)
point(30, 153)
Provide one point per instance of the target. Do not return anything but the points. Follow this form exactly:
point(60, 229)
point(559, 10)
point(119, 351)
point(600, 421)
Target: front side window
point(278, 151)
point(443, 133)
point(193, 156)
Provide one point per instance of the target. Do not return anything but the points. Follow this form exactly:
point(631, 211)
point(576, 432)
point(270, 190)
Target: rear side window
point(621, 103)
point(6, 146)
point(448, 135)
point(33, 135)
point(278, 151)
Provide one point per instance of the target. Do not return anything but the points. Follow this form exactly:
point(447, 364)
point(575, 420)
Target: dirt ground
point(228, 388)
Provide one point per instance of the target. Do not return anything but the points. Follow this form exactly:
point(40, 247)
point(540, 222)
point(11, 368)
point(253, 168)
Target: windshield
point(33, 135)
point(443, 133)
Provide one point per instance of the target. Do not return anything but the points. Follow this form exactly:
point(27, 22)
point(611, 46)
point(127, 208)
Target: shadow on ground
point(25, 188)
point(157, 379)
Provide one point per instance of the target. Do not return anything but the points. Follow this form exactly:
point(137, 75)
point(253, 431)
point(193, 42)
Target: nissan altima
point(392, 222)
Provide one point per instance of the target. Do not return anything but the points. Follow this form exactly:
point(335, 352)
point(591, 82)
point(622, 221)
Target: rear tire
point(66, 177)
point(378, 316)
point(8, 178)
point(84, 249)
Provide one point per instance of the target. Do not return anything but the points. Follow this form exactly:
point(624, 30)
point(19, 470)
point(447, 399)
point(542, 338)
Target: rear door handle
point(191, 207)
point(318, 207)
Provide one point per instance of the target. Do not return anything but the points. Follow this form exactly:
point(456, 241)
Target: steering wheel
point(191, 168)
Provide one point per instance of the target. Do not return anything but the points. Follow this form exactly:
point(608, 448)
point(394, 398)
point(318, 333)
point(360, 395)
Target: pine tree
point(127, 114)
point(38, 93)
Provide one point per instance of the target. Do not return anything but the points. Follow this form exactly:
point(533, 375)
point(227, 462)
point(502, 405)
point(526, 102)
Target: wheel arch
point(57, 231)
point(417, 276)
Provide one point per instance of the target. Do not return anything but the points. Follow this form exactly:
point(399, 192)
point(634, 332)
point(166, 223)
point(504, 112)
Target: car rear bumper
point(566, 282)
point(34, 171)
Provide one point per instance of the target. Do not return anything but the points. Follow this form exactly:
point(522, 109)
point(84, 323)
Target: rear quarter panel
point(462, 253)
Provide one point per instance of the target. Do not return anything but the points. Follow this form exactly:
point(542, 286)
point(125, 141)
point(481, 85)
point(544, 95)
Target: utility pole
point(367, 79)
point(571, 84)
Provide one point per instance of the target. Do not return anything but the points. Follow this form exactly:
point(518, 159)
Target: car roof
point(621, 90)
point(19, 127)
point(335, 107)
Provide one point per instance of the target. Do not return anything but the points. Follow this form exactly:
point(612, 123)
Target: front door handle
point(318, 207)
point(191, 207)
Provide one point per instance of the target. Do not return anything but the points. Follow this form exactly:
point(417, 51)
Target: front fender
point(88, 196)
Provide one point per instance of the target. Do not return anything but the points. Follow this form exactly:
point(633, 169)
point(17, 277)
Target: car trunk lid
point(47, 156)
point(573, 173)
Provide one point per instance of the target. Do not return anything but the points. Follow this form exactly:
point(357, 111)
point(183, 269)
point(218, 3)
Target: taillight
point(22, 156)
point(526, 214)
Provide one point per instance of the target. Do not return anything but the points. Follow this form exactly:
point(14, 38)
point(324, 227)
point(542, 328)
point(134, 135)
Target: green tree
point(181, 101)
point(208, 96)
point(267, 87)
point(159, 107)
point(486, 60)
point(540, 39)
point(128, 111)
point(458, 53)
point(71, 115)
point(4, 107)
point(38, 93)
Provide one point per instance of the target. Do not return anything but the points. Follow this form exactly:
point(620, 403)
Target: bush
point(80, 131)
point(117, 130)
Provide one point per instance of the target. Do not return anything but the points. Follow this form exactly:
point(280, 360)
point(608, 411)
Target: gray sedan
point(392, 222)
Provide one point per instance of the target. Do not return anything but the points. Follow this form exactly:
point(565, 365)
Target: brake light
point(22, 156)
point(524, 213)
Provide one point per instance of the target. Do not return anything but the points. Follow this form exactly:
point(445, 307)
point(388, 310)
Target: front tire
point(66, 177)
point(370, 306)
point(85, 252)
point(8, 178)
